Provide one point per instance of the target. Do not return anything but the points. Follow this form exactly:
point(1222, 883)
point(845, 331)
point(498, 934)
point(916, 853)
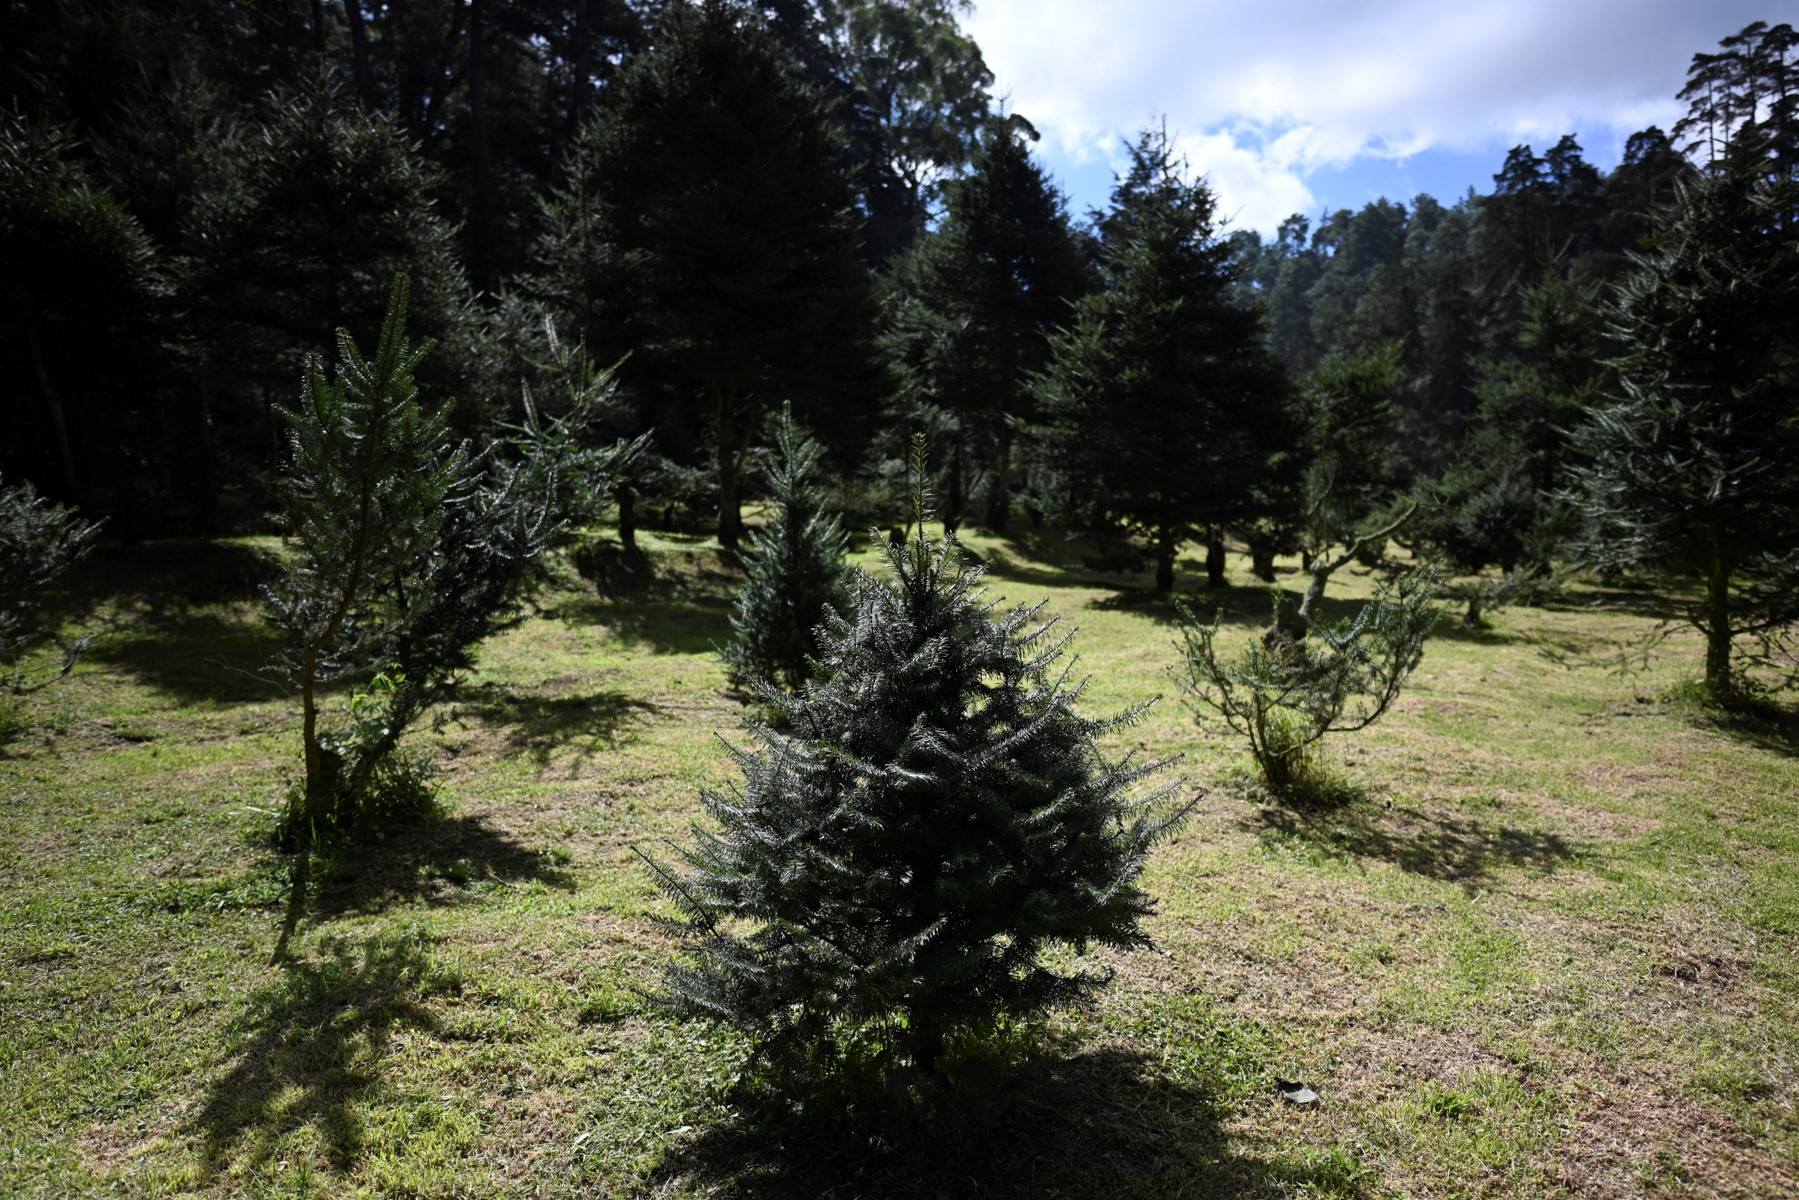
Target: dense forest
point(741, 206)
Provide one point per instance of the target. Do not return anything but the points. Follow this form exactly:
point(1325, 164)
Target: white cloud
point(1262, 95)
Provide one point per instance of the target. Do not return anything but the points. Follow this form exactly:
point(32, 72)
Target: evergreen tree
point(405, 553)
point(302, 236)
point(894, 868)
point(722, 193)
point(80, 291)
point(1354, 467)
point(972, 311)
point(1165, 406)
point(39, 542)
point(1692, 466)
point(796, 572)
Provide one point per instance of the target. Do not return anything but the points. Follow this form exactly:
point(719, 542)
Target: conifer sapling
point(796, 571)
point(932, 816)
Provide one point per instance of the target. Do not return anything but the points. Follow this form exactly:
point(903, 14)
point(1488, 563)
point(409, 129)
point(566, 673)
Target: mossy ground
point(1551, 947)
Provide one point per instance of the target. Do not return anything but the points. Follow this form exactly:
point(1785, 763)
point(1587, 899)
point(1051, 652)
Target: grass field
point(1551, 950)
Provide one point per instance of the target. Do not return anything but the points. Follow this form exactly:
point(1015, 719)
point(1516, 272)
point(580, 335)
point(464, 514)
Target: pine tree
point(718, 184)
point(796, 572)
point(893, 868)
point(972, 311)
point(1164, 404)
point(1693, 466)
point(406, 551)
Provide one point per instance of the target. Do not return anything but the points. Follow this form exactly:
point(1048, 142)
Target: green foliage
point(404, 553)
point(891, 872)
point(711, 202)
point(971, 312)
point(915, 103)
point(570, 470)
point(1353, 465)
point(80, 291)
point(1289, 688)
point(1165, 409)
point(796, 572)
point(1692, 467)
point(39, 542)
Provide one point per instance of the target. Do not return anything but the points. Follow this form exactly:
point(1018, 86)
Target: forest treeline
point(820, 203)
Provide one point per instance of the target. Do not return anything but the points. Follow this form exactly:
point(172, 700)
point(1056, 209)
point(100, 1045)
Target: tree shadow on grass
point(1762, 724)
point(1235, 605)
point(195, 656)
point(1102, 1123)
point(309, 1049)
point(659, 625)
point(546, 727)
point(437, 862)
point(169, 577)
point(1462, 850)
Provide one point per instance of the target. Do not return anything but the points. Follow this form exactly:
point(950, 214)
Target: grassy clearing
point(1552, 949)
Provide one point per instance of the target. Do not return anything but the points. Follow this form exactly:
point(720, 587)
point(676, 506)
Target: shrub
point(890, 872)
point(39, 542)
point(1303, 679)
point(796, 572)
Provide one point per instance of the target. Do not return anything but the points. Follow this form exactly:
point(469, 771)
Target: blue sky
point(1296, 106)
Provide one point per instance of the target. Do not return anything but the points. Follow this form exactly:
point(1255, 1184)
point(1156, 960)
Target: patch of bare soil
point(1639, 1137)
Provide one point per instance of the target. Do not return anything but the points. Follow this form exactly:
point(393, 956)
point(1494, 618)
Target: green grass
point(1552, 948)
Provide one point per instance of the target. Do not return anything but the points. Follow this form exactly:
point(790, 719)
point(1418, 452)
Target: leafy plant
point(1302, 680)
point(891, 872)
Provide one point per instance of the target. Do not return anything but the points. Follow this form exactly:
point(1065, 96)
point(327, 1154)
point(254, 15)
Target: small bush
point(1298, 683)
point(890, 873)
point(39, 542)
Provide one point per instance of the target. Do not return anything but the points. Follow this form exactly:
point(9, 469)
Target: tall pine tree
point(1164, 403)
point(724, 206)
point(972, 312)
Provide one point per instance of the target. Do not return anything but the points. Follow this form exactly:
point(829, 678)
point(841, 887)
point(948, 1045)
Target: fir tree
point(406, 551)
point(972, 311)
point(1165, 406)
point(39, 542)
point(894, 866)
point(716, 181)
point(796, 572)
point(1693, 466)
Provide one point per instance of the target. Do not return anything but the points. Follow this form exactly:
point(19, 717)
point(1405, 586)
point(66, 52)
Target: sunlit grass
point(1549, 950)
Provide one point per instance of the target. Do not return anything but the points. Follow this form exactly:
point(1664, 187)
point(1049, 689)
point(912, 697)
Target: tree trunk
point(953, 502)
point(1717, 626)
point(730, 511)
point(59, 425)
point(1215, 559)
point(1166, 546)
point(1261, 561)
point(999, 498)
point(359, 54)
point(626, 496)
point(1472, 618)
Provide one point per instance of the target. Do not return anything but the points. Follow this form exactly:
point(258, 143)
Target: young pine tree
point(406, 552)
point(796, 572)
point(892, 869)
point(39, 541)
